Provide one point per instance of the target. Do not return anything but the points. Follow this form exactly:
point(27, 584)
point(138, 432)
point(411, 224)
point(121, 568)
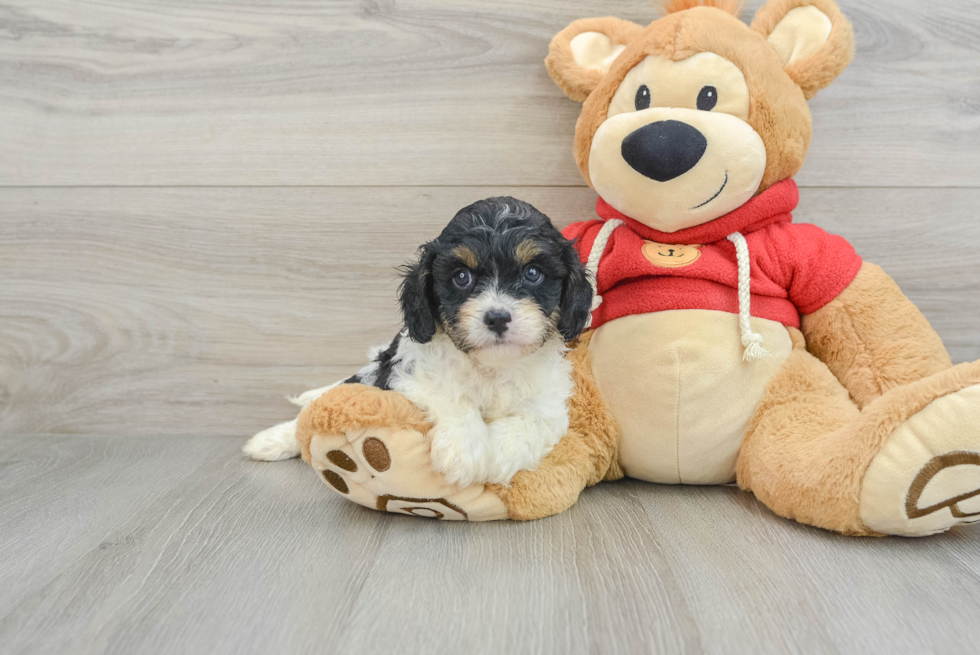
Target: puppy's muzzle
point(496, 321)
point(664, 150)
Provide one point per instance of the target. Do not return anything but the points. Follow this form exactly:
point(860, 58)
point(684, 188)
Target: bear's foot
point(926, 477)
point(370, 446)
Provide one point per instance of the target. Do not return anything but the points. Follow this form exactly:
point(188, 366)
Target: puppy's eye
point(533, 276)
point(642, 98)
point(462, 278)
point(708, 98)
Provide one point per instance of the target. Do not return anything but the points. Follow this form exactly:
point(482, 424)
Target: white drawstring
point(592, 265)
point(752, 341)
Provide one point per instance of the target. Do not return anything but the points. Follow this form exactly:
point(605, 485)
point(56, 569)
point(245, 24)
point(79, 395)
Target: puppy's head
point(499, 280)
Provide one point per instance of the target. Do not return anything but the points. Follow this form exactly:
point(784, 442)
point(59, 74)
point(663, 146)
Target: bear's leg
point(791, 455)
point(908, 464)
point(370, 446)
point(925, 477)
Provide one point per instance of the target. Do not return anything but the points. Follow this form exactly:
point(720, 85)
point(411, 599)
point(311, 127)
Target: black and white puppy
point(488, 309)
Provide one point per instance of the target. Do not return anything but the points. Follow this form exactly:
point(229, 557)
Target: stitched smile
point(716, 195)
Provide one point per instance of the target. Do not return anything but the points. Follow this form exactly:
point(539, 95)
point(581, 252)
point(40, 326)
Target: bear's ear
point(813, 39)
point(582, 53)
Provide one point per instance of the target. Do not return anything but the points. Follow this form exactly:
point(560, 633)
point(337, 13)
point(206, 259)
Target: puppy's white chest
point(538, 383)
point(490, 423)
point(503, 402)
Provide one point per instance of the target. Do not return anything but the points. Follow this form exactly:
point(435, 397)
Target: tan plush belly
point(676, 382)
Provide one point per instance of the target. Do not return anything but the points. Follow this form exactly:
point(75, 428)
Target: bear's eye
point(642, 98)
point(708, 98)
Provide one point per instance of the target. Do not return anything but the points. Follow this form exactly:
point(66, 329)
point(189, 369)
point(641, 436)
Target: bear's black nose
point(664, 150)
point(497, 321)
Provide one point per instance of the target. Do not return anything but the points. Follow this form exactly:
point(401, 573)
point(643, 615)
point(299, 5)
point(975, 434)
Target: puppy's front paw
point(519, 443)
point(461, 454)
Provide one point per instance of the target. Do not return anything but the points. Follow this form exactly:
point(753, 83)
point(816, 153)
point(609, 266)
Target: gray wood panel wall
point(202, 202)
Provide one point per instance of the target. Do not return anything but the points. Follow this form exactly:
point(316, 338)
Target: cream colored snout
point(673, 168)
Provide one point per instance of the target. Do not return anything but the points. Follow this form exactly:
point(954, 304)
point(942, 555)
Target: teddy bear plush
point(727, 343)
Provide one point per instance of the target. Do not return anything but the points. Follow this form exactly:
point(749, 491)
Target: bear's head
point(687, 119)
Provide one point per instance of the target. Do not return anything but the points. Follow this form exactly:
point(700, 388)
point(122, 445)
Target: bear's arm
point(873, 338)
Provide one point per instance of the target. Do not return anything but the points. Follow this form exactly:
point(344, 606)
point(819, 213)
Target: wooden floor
point(177, 545)
point(201, 206)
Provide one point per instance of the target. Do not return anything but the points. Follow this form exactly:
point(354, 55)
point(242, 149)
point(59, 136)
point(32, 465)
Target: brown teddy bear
point(727, 343)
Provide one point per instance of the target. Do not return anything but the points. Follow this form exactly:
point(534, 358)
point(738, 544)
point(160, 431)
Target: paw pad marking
point(928, 472)
point(435, 508)
point(376, 454)
point(340, 459)
point(389, 469)
point(335, 481)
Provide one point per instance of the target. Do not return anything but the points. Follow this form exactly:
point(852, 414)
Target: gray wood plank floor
point(202, 203)
point(177, 545)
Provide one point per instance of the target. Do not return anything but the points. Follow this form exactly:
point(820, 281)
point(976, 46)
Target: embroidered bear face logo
point(665, 255)
point(687, 119)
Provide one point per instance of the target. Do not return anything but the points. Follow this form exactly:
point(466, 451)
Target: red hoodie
point(796, 268)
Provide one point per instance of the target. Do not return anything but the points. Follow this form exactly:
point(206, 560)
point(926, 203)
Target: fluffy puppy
point(488, 308)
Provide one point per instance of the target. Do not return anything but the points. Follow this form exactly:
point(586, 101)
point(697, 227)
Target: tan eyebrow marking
point(466, 256)
point(526, 251)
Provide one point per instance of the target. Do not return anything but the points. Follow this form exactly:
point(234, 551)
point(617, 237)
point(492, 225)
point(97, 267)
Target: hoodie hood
point(775, 205)
point(754, 262)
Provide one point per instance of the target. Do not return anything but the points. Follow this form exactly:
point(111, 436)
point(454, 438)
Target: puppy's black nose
point(664, 150)
point(497, 321)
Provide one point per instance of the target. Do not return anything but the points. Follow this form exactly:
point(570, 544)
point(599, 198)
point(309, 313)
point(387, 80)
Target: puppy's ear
point(576, 295)
point(417, 297)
